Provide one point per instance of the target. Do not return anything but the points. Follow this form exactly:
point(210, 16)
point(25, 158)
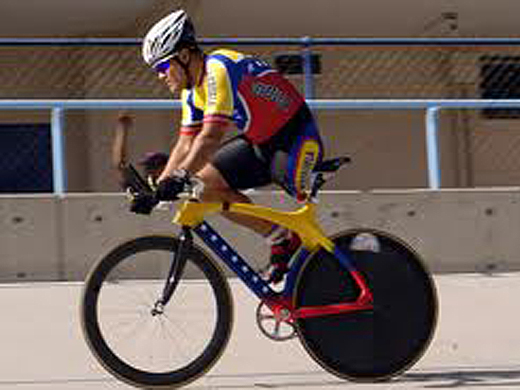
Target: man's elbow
point(212, 134)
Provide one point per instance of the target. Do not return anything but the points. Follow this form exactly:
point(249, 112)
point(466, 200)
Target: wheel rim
point(139, 343)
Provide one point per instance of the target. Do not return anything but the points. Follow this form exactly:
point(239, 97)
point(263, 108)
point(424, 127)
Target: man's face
point(174, 75)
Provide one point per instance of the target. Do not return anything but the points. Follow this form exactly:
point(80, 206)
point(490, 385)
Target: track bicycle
point(157, 311)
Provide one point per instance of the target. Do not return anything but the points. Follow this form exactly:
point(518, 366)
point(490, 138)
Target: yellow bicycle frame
point(302, 221)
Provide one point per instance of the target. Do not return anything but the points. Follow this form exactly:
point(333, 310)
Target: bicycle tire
point(118, 276)
point(377, 344)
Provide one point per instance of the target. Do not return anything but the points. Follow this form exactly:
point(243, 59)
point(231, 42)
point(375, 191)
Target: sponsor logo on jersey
point(271, 93)
point(212, 90)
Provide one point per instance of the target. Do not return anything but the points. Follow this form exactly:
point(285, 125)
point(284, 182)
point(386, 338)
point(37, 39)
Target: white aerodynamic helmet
point(167, 36)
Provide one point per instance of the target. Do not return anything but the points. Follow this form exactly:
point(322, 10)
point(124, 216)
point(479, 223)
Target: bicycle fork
point(176, 270)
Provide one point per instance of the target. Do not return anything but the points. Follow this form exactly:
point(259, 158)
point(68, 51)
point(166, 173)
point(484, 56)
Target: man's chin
point(173, 90)
point(176, 90)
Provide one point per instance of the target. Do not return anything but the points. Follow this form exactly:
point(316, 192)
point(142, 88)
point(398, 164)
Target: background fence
point(476, 154)
point(342, 68)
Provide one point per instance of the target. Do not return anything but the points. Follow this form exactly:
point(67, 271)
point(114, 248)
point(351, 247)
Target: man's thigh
point(216, 189)
point(240, 165)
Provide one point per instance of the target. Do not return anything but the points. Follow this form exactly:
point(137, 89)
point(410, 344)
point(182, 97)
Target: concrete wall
point(49, 238)
point(270, 17)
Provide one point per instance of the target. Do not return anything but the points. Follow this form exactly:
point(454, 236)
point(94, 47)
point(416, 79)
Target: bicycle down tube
point(234, 261)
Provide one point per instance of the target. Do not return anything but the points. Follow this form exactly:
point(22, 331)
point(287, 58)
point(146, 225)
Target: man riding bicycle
point(225, 91)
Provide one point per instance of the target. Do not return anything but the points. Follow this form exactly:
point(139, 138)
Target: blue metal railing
point(432, 109)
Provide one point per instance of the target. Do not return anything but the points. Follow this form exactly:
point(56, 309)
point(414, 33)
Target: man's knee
point(212, 178)
point(216, 189)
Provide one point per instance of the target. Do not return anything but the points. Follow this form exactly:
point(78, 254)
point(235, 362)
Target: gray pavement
point(477, 344)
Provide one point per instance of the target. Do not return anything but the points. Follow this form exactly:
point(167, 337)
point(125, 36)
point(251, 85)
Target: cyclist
point(225, 91)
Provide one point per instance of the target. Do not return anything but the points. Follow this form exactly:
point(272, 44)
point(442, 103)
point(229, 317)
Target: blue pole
point(432, 147)
point(307, 68)
point(58, 151)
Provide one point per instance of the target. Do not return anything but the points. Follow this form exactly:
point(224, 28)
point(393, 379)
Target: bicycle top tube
point(302, 221)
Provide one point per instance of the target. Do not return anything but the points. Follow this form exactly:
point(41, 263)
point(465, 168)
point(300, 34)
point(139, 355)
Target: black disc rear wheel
point(375, 344)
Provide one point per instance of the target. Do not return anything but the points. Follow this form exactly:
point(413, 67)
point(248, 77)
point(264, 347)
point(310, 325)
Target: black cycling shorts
point(286, 159)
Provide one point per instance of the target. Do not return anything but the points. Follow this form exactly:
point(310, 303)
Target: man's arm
point(192, 151)
point(204, 146)
point(119, 145)
point(179, 151)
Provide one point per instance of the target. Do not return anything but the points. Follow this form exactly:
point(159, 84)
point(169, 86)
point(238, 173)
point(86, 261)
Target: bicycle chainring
point(276, 324)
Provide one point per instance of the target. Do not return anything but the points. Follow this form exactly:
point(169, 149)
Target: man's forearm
point(204, 147)
point(119, 145)
point(193, 152)
point(177, 155)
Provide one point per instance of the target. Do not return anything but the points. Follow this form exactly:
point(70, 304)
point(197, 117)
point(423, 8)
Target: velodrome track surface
point(477, 344)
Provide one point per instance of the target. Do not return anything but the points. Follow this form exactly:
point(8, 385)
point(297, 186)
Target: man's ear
point(184, 55)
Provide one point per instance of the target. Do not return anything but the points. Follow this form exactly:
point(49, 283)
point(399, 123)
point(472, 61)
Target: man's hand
point(142, 203)
point(125, 119)
point(170, 187)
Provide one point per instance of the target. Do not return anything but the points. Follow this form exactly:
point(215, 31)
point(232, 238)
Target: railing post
point(307, 68)
point(432, 147)
point(59, 172)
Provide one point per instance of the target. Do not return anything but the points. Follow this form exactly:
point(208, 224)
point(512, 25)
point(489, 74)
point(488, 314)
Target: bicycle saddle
point(331, 165)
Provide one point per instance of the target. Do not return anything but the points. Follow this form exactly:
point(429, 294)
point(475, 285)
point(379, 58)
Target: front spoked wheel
point(140, 339)
point(374, 343)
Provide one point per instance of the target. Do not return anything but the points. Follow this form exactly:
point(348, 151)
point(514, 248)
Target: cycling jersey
point(243, 89)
